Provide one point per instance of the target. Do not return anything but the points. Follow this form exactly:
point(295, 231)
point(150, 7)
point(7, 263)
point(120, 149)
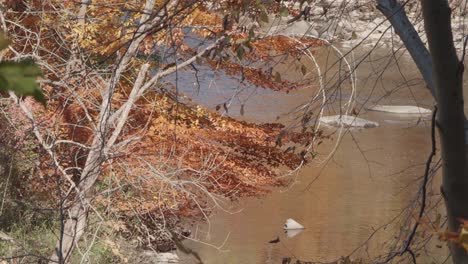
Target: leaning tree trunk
point(443, 74)
point(74, 226)
point(394, 11)
point(448, 76)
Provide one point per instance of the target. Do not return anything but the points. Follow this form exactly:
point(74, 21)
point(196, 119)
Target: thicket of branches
point(116, 142)
point(119, 148)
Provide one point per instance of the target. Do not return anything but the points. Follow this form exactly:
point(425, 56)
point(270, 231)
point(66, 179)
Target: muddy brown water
point(369, 180)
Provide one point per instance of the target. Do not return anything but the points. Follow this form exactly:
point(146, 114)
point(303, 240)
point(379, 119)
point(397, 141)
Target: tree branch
point(396, 14)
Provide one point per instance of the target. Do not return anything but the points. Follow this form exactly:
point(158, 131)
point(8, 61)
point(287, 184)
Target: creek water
point(373, 175)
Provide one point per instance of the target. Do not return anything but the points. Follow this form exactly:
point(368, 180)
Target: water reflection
point(293, 232)
point(356, 192)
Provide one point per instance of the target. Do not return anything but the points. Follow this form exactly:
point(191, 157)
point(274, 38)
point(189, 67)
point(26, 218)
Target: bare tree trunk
point(395, 13)
point(443, 73)
point(448, 76)
point(82, 13)
point(74, 228)
point(75, 225)
point(103, 141)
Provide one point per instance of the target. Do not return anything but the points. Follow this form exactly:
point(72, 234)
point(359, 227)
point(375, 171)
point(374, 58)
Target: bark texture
point(82, 13)
point(443, 74)
point(75, 224)
point(448, 76)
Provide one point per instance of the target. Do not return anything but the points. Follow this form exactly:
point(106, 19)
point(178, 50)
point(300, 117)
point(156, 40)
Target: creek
point(372, 176)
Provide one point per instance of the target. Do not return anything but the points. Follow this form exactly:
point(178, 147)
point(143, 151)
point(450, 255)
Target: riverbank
point(201, 160)
point(352, 23)
point(369, 181)
point(165, 160)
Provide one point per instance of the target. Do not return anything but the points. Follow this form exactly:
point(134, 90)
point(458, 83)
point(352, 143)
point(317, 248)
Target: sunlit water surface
point(369, 180)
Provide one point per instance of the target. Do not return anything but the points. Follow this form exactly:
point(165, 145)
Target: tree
point(448, 74)
point(443, 72)
point(111, 112)
point(114, 117)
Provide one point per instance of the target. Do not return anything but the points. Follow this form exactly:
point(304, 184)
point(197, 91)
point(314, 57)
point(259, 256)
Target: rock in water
point(274, 241)
point(347, 121)
point(292, 224)
point(400, 109)
point(165, 258)
point(299, 28)
point(293, 232)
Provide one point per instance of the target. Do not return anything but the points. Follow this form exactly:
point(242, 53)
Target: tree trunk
point(448, 76)
point(82, 13)
point(395, 13)
point(444, 75)
point(73, 230)
point(74, 226)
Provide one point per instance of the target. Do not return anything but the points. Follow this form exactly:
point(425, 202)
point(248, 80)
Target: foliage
point(20, 77)
point(157, 154)
point(248, 151)
point(33, 240)
point(460, 238)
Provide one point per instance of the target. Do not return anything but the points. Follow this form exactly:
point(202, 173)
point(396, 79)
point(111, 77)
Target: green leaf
point(303, 69)
point(277, 77)
point(264, 16)
point(236, 15)
point(3, 42)
point(20, 77)
point(437, 221)
point(284, 12)
point(240, 52)
point(240, 41)
point(251, 33)
point(228, 39)
point(248, 45)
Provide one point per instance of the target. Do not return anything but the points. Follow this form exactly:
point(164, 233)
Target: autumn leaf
point(463, 238)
